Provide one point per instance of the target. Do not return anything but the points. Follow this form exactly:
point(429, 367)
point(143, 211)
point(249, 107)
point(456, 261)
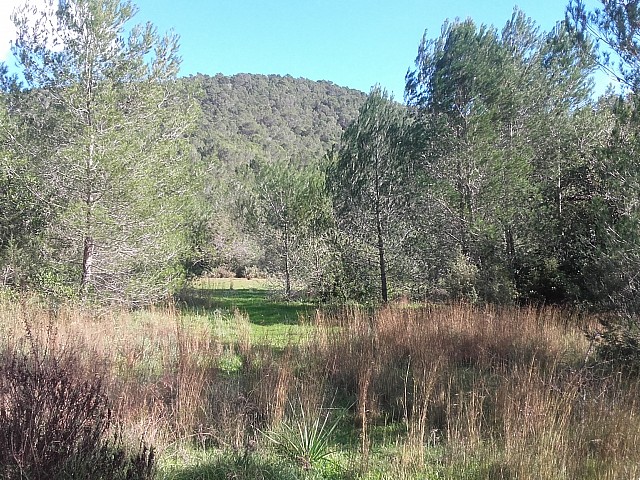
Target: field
point(233, 382)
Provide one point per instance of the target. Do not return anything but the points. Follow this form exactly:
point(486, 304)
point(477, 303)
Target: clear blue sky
point(353, 43)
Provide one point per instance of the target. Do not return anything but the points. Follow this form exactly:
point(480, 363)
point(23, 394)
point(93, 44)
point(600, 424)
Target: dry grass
point(496, 392)
point(55, 412)
point(169, 377)
point(508, 381)
point(155, 365)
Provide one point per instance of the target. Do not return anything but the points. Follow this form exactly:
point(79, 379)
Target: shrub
point(618, 342)
point(55, 422)
point(462, 278)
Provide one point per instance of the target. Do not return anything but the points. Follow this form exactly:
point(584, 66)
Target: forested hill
point(248, 116)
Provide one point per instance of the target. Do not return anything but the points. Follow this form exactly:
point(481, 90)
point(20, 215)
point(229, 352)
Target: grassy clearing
point(272, 320)
point(439, 392)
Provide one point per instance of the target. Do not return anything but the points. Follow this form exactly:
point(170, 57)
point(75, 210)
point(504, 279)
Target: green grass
point(221, 465)
point(235, 283)
point(272, 319)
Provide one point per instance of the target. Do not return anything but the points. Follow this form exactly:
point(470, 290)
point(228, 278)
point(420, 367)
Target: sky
point(352, 43)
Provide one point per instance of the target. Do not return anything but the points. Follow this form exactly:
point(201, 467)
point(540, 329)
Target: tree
point(615, 283)
point(252, 119)
point(23, 208)
point(370, 182)
point(463, 93)
point(487, 101)
point(616, 27)
point(457, 81)
point(102, 126)
point(287, 207)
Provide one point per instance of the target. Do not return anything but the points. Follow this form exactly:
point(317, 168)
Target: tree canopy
point(501, 178)
point(98, 127)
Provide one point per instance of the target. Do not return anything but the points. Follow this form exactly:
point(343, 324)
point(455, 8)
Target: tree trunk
point(287, 274)
point(89, 243)
point(87, 263)
point(381, 259)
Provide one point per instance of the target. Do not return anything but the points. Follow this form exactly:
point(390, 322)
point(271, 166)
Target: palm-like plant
point(305, 439)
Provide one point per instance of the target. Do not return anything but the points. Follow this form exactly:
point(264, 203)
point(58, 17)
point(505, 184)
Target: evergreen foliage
point(258, 117)
point(98, 134)
point(497, 109)
point(370, 182)
point(288, 212)
point(614, 284)
point(250, 122)
point(501, 179)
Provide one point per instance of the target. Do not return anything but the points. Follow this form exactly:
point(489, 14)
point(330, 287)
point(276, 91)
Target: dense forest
point(249, 117)
point(250, 122)
point(501, 178)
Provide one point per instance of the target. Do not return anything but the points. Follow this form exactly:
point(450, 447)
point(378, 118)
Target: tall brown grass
point(154, 364)
point(505, 391)
point(496, 392)
point(162, 370)
point(56, 419)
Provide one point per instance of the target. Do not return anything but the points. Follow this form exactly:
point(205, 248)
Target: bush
point(618, 342)
point(462, 278)
point(55, 423)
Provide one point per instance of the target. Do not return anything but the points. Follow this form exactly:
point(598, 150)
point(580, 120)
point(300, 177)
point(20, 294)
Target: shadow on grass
point(260, 304)
point(240, 467)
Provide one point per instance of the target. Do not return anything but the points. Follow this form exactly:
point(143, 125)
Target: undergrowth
point(56, 421)
point(442, 392)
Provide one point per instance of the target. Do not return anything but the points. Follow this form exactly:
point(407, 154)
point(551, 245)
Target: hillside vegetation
point(255, 117)
point(248, 123)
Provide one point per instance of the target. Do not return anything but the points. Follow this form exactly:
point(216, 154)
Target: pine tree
point(494, 106)
point(371, 183)
point(102, 126)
